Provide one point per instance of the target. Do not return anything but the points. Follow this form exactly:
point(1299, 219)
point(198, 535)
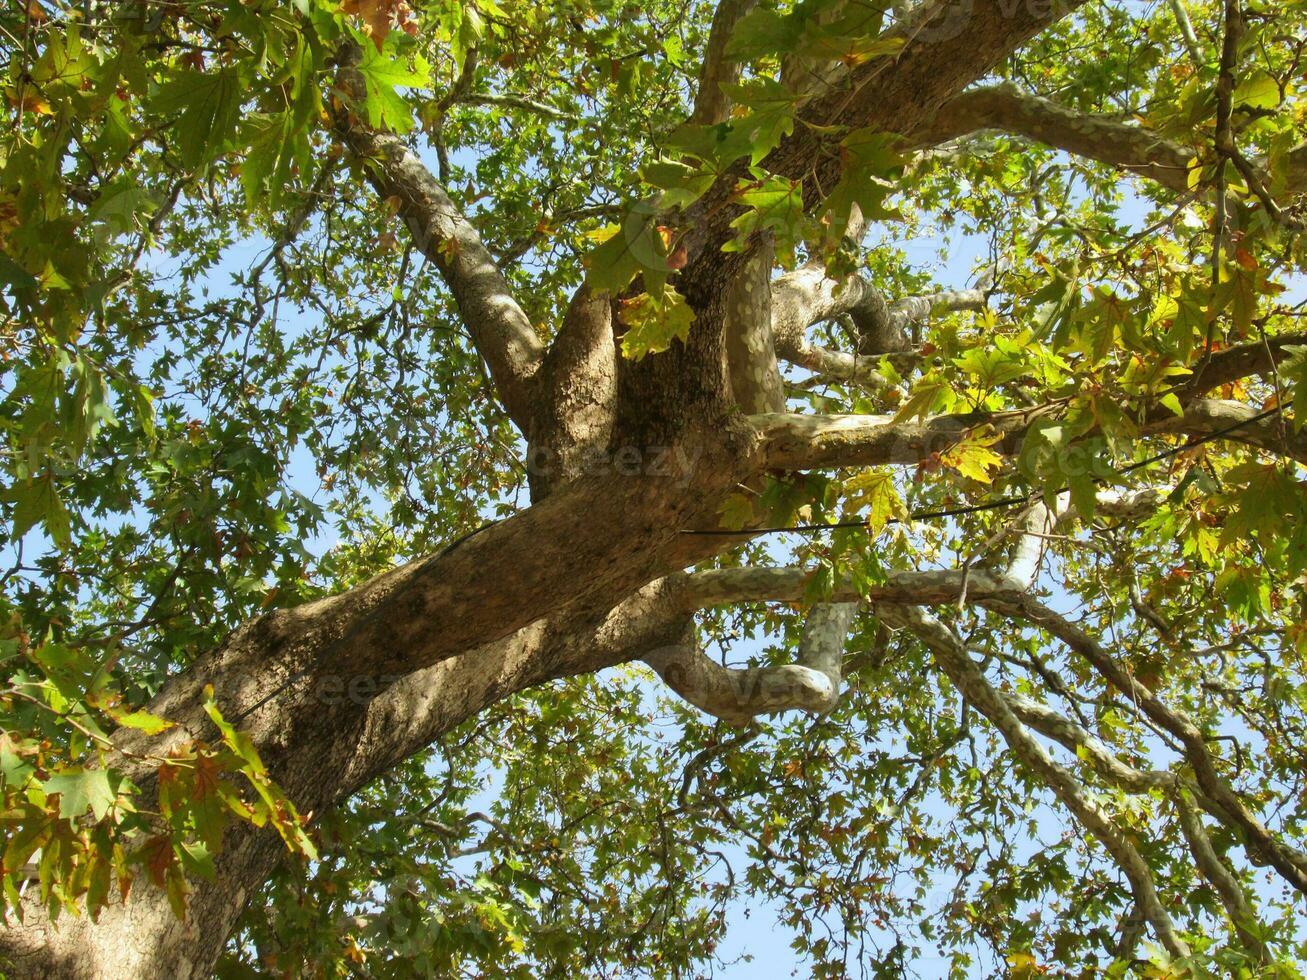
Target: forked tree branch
point(953, 660)
point(1234, 898)
point(1226, 804)
point(945, 47)
point(807, 296)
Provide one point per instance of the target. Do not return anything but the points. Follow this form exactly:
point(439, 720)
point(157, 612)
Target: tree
point(299, 295)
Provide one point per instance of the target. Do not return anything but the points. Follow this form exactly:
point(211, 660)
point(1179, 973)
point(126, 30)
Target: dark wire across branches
point(1001, 502)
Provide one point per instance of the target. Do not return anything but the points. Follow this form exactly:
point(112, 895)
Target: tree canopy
point(494, 489)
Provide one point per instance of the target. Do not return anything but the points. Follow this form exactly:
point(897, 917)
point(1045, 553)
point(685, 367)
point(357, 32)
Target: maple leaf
point(875, 490)
point(973, 458)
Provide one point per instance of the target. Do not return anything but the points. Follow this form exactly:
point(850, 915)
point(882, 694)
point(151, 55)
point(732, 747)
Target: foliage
point(232, 384)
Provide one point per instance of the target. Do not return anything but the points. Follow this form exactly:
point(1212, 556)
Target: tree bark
point(337, 691)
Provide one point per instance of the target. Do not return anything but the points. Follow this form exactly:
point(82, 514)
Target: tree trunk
point(323, 736)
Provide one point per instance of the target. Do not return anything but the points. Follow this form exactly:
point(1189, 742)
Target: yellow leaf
point(875, 490)
point(973, 458)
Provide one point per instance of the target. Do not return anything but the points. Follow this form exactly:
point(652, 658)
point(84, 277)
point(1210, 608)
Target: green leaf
point(765, 32)
point(35, 502)
point(383, 74)
point(14, 770)
point(770, 117)
point(680, 183)
point(141, 720)
point(929, 394)
point(207, 105)
point(840, 44)
point(196, 859)
point(776, 205)
point(870, 158)
point(875, 490)
point(973, 458)
point(737, 512)
point(1258, 90)
point(635, 247)
point(15, 276)
point(80, 788)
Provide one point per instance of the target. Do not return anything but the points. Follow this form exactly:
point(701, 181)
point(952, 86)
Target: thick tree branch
point(821, 646)
point(793, 441)
point(797, 442)
point(711, 104)
point(1107, 139)
point(946, 46)
point(1203, 416)
point(1259, 357)
point(500, 329)
point(576, 396)
point(750, 354)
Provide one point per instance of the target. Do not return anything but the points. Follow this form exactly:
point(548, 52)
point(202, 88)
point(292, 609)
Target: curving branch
point(813, 684)
point(807, 296)
point(821, 647)
point(737, 695)
point(1094, 136)
point(1186, 28)
point(511, 101)
point(499, 327)
point(1013, 577)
